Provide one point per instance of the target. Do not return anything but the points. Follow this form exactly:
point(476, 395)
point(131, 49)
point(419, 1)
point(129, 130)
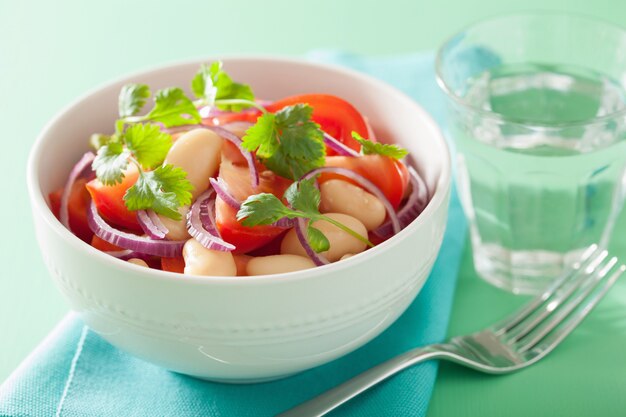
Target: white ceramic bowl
point(244, 329)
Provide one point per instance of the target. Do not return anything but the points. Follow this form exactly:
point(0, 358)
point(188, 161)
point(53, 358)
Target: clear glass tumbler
point(537, 113)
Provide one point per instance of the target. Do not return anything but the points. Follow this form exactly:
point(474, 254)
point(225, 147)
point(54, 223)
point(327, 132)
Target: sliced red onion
point(121, 254)
point(201, 225)
point(157, 221)
point(127, 254)
point(182, 128)
point(301, 233)
point(234, 139)
point(221, 188)
point(84, 162)
point(144, 245)
point(151, 224)
point(365, 183)
point(339, 147)
point(415, 204)
point(285, 223)
point(207, 216)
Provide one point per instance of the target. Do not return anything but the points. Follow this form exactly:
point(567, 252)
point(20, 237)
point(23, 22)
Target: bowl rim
point(40, 206)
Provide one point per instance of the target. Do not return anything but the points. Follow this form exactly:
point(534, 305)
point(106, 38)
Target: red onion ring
point(317, 259)
point(339, 147)
point(179, 129)
point(151, 224)
point(415, 204)
point(144, 245)
point(365, 183)
point(127, 254)
point(234, 139)
point(157, 221)
point(221, 188)
point(207, 216)
point(77, 170)
point(201, 225)
point(285, 222)
point(120, 254)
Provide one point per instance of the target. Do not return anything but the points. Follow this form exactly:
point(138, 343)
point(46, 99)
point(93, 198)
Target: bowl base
point(242, 381)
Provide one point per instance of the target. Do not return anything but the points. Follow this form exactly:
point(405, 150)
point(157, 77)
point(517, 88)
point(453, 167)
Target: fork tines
point(546, 320)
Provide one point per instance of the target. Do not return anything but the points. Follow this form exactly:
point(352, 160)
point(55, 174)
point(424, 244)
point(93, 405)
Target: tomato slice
point(388, 174)
point(244, 238)
point(77, 208)
point(109, 200)
point(237, 177)
point(336, 116)
point(176, 264)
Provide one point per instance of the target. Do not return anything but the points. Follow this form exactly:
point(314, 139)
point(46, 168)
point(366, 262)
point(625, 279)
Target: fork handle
point(334, 397)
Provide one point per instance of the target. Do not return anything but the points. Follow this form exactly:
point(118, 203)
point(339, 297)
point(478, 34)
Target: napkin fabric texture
point(76, 373)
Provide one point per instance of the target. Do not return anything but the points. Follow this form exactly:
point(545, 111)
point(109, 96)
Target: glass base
point(521, 272)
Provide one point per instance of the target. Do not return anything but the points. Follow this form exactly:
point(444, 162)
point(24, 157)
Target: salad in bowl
point(222, 183)
point(283, 223)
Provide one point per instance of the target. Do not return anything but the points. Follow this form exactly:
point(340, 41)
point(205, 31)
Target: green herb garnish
point(213, 86)
point(288, 142)
point(304, 198)
point(372, 148)
point(162, 188)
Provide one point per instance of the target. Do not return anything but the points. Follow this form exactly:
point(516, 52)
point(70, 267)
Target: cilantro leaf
point(213, 84)
point(163, 190)
point(110, 163)
point(132, 98)
point(288, 142)
point(262, 209)
point(173, 108)
point(263, 136)
point(372, 148)
point(98, 140)
point(202, 85)
point(318, 241)
point(148, 144)
point(304, 196)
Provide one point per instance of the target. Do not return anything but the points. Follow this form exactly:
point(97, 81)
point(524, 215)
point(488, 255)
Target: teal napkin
point(76, 373)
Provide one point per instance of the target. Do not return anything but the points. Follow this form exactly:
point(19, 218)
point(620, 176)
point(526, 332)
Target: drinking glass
point(537, 113)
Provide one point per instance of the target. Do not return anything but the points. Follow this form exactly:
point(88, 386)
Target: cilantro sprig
point(304, 199)
point(139, 140)
point(214, 87)
point(171, 107)
point(288, 142)
point(162, 188)
point(373, 148)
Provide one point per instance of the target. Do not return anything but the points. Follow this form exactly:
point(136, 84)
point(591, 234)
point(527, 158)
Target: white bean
point(138, 261)
point(177, 229)
point(341, 243)
point(278, 264)
point(202, 261)
point(238, 128)
point(197, 152)
point(339, 196)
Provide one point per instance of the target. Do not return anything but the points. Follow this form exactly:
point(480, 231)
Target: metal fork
point(505, 347)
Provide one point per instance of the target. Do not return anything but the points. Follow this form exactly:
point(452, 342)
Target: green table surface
point(52, 52)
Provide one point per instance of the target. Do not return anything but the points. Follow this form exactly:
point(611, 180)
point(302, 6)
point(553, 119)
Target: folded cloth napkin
point(76, 373)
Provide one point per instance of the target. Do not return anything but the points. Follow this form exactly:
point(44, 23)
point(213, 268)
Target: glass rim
point(445, 87)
